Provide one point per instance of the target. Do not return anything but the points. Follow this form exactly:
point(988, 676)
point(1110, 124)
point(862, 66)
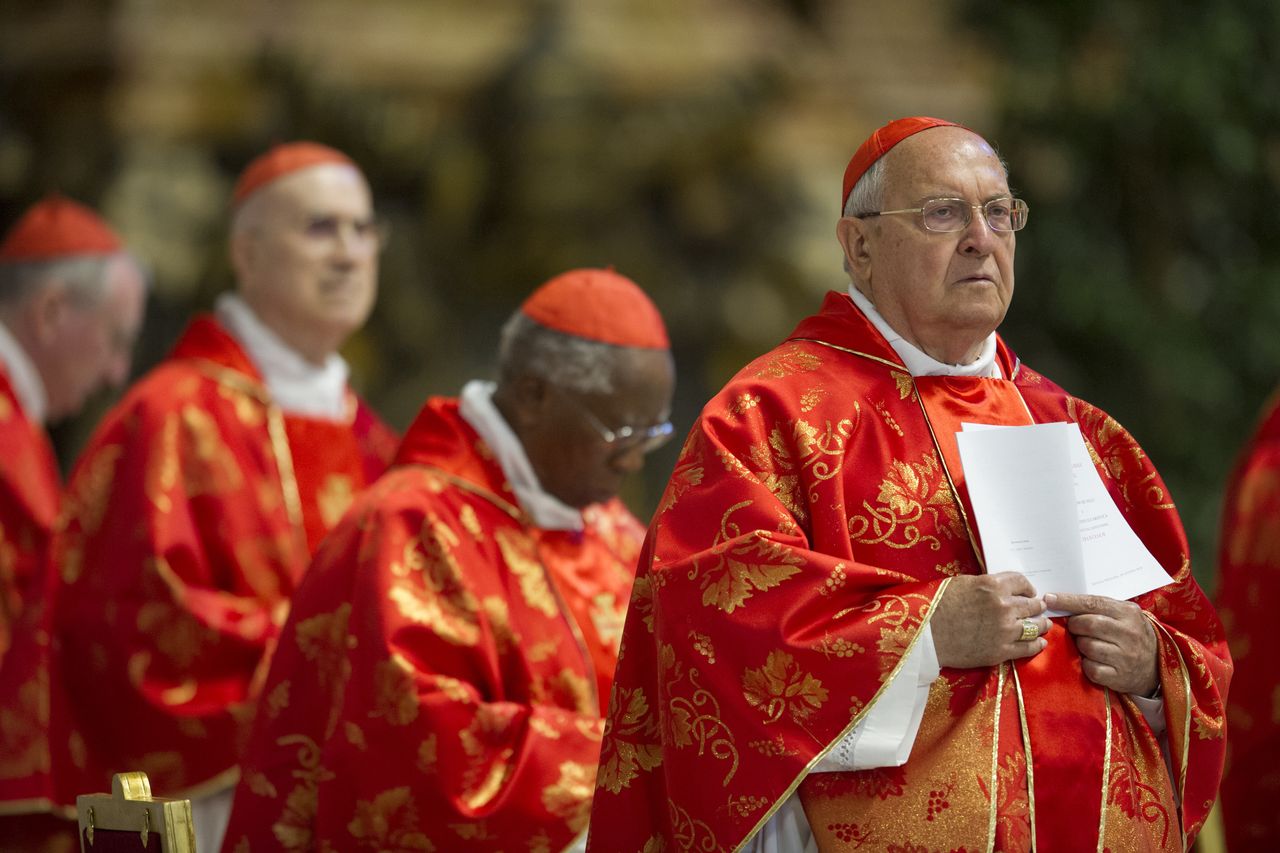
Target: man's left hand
point(1115, 639)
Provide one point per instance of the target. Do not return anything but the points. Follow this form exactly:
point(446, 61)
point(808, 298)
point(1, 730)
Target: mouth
point(976, 279)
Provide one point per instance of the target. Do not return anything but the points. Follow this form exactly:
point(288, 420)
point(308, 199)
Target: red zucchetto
point(879, 143)
point(58, 227)
point(284, 160)
point(598, 305)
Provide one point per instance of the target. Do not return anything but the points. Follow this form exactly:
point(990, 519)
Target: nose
point(978, 237)
point(627, 461)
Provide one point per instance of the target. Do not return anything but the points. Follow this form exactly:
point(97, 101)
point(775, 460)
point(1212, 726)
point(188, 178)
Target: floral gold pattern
point(780, 687)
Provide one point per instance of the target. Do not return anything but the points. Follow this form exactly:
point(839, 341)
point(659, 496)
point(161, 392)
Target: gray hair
point(84, 277)
point(867, 195)
point(528, 348)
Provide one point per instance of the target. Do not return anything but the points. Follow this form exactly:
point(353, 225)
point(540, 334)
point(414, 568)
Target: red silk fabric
point(29, 487)
point(179, 543)
point(807, 530)
point(1248, 588)
point(439, 683)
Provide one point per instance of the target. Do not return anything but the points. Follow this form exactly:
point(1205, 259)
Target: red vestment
point(29, 486)
point(1248, 587)
point(815, 515)
point(186, 525)
point(439, 684)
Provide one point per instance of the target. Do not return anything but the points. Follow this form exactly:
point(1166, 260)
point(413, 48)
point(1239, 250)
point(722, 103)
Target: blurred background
point(697, 146)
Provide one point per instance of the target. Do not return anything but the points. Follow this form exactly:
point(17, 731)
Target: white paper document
point(1043, 511)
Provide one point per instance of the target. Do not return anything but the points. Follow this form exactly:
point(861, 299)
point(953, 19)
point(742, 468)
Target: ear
point(855, 238)
point(47, 312)
point(531, 400)
point(240, 249)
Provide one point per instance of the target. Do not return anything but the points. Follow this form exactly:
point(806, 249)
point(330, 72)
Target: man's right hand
point(979, 620)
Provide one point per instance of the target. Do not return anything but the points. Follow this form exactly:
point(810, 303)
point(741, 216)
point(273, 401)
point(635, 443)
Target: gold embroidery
point(811, 398)
point(334, 498)
point(569, 798)
point(780, 687)
point(607, 618)
point(634, 744)
point(1119, 455)
point(780, 461)
point(428, 752)
point(218, 472)
point(888, 418)
point(355, 736)
point(690, 834)
point(277, 700)
point(442, 602)
point(259, 784)
point(521, 554)
point(87, 501)
point(470, 522)
point(730, 582)
point(642, 600)
point(293, 828)
point(390, 820)
point(248, 410)
point(695, 717)
point(908, 492)
point(742, 404)
point(702, 645)
point(688, 472)
point(776, 748)
point(498, 616)
point(835, 581)
point(324, 642)
point(787, 361)
point(396, 696)
point(906, 385)
point(24, 729)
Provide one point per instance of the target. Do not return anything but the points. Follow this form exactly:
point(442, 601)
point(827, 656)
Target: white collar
point(475, 405)
point(296, 385)
point(28, 387)
point(919, 362)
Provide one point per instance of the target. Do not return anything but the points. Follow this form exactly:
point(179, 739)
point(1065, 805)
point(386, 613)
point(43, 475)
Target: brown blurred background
point(697, 146)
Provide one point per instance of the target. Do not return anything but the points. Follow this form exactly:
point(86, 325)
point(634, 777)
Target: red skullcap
point(284, 160)
point(879, 143)
point(58, 227)
point(598, 305)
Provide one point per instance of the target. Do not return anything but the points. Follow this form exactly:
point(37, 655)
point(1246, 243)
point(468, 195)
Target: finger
point(1100, 651)
point(1093, 625)
point(1072, 603)
point(1014, 583)
point(1028, 648)
point(1101, 674)
point(1025, 607)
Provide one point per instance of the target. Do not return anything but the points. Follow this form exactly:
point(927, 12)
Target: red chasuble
point(29, 485)
point(439, 683)
point(186, 526)
point(815, 516)
point(1249, 587)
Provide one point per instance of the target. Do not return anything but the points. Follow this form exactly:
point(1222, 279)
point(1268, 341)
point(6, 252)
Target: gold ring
point(1030, 630)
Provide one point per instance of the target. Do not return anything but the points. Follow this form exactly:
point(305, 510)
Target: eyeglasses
point(949, 215)
point(645, 439)
point(365, 234)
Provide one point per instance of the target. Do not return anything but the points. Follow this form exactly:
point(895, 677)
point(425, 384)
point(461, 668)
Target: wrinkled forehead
point(944, 159)
point(331, 188)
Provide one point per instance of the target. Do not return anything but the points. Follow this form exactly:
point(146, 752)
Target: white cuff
point(886, 734)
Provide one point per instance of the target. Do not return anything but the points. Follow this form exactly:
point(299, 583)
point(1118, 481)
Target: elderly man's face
point(94, 341)
point(564, 445)
point(944, 292)
point(306, 256)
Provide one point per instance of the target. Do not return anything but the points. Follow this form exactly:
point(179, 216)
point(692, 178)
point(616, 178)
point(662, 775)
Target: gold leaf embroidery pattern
point(24, 726)
point(437, 598)
point(754, 563)
point(324, 642)
point(390, 822)
point(217, 471)
point(811, 398)
point(633, 745)
point(693, 715)
point(690, 833)
point(801, 449)
point(490, 762)
point(396, 695)
point(569, 797)
point(688, 472)
point(334, 498)
point(1119, 455)
point(909, 492)
point(607, 617)
point(293, 827)
point(780, 687)
point(521, 554)
point(906, 385)
point(789, 360)
point(471, 522)
point(86, 502)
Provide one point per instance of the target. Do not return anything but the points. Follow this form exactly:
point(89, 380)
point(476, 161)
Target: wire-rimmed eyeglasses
point(646, 439)
point(948, 215)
